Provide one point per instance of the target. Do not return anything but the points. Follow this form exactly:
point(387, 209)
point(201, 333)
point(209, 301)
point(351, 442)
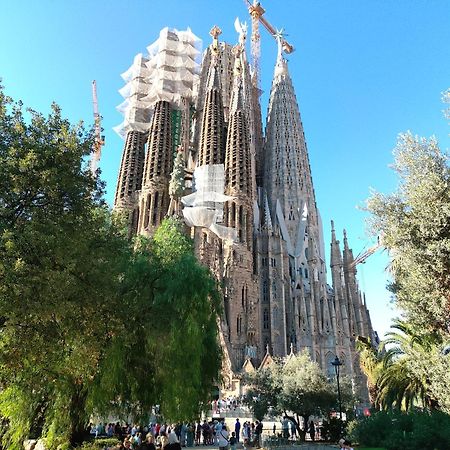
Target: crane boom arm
point(267, 26)
point(257, 10)
point(361, 258)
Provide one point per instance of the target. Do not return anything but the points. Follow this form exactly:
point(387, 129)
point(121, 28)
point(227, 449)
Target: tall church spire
point(129, 180)
point(287, 176)
point(158, 165)
point(212, 134)
point(238, 175)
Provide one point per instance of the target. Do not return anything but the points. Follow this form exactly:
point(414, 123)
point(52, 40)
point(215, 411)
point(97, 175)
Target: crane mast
point(256, 12)
point(98, 138)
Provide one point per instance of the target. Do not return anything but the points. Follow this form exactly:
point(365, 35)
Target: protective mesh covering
point(136, 113)
point(169, 72)
point(204, 207)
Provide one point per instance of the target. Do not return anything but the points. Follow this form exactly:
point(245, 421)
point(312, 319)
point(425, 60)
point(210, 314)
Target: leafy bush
point(106, 442)
point(333, 429)
point(400, 431)
point(100, 444)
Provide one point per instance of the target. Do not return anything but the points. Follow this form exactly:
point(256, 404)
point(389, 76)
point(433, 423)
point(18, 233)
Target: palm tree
point(399, 385)
point(371, 362)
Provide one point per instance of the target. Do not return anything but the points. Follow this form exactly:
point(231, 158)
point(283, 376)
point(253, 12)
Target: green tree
point(400, 385)
point(60, 261)
point(172, 339)
point(76, 295)
point(296, 386)
point(414, 223)
point(371, 363)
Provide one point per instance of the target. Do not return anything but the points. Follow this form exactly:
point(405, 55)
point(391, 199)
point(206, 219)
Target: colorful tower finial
point(215, 32)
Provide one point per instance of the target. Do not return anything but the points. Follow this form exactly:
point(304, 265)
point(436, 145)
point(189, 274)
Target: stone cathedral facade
point(276, 298)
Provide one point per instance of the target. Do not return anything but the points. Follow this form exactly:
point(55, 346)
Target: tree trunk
point(77, 415)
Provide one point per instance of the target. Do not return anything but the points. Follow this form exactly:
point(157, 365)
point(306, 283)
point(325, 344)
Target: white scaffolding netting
point(136, 113)
point(169, 72)
point(204, 207)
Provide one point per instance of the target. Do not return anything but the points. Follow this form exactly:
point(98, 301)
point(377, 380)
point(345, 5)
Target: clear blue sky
point(363, 72)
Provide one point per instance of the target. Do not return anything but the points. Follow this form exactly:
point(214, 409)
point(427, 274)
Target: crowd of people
point(158, 436)
point(226, 404)
point(161, 436)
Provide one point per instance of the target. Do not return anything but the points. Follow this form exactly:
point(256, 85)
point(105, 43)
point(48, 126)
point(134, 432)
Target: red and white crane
point(99, 140)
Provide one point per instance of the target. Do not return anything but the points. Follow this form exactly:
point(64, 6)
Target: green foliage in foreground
point(100, 444)
point(89, 321)
point(414, 225)
point(400, 431)
point(371, 448)
point(407, 370)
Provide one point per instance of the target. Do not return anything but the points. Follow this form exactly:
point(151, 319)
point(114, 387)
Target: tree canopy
point(89, 320)
point(296, 385)
point(414, 223)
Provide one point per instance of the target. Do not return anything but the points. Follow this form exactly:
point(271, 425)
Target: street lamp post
point(337, 365)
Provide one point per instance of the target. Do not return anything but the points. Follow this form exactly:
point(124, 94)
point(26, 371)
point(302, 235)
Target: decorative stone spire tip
point(215, 32)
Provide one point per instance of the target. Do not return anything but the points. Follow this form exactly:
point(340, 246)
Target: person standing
point(233, 441)
point(198, 432)
point(190, 435)
point(172, 442)
point(149, 443)
point(285, 427)
point(217, 428)
point(237, 429)
point(183, 431)
point(312, 430)
point(245, 433)
point(258, 433)
point(223, 438)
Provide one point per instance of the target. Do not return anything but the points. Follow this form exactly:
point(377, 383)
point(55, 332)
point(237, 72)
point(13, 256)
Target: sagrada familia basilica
point(195, 146)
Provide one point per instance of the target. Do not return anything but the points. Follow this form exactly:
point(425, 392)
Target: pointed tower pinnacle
point(212, 133)
point(336, 259)
point(287, 176)
point(215, 32)
point(281, 64)
point(157, 169)
point(238, 173)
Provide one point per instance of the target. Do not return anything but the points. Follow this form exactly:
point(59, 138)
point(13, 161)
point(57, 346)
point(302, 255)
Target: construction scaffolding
point(169, 72)
point(204, 207)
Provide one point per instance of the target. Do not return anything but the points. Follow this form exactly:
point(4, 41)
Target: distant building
point(256, 189)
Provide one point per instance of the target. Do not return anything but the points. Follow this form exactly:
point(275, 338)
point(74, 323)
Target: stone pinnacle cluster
point(258, 227)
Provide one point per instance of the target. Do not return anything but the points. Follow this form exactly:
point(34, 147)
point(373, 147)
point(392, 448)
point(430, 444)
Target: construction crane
point(361, 258)
point(256, 12)
point(99, 140)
